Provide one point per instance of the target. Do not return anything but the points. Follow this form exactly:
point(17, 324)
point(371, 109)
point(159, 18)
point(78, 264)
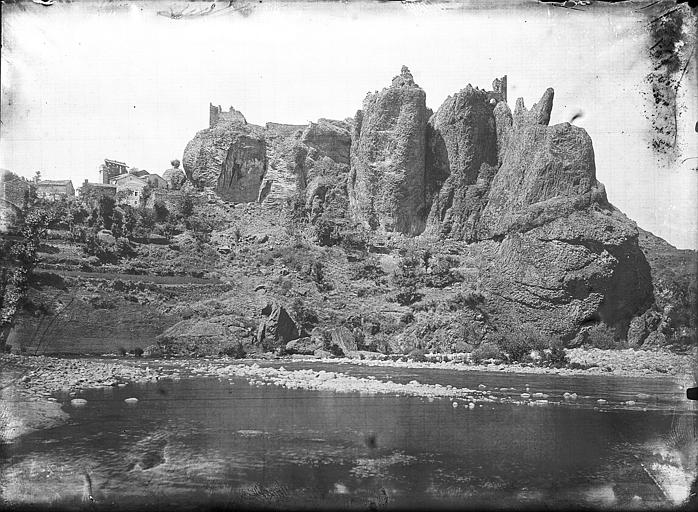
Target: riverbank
point(31, 385)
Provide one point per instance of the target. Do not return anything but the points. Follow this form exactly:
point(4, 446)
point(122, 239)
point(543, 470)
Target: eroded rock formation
point(270, 164)
point(386, 184)
point(555, 252)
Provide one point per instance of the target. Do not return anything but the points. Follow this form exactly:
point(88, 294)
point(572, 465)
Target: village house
point(91, 192)
point(55, 189)
point(130, 189)
point(110, 169)
point(155, 181)
point(13, 189)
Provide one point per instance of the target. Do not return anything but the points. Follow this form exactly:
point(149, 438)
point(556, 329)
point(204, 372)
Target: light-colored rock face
point(386, 182)
point(544, 166)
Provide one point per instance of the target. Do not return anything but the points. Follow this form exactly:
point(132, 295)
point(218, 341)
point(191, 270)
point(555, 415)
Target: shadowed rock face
point(245, 162)
point(462, 147)
point(229, 156)
point(386, 183)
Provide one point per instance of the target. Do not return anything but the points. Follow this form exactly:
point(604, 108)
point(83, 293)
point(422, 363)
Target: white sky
point(80, 84)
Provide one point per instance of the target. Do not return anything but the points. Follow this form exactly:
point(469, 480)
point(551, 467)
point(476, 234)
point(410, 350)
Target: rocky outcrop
point(174, 177)
point(566, 259)
point(229, 156)
point(197, 337)
point(386, 183)
point(271, 164)
point(462, 147)
point(277, 329)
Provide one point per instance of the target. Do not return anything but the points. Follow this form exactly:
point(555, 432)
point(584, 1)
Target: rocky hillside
point(470, 228)
point(555, 253)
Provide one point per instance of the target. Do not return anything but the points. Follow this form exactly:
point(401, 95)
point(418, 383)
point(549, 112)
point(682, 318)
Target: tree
point(105, 211)
point(187, 206)
point(18, 262)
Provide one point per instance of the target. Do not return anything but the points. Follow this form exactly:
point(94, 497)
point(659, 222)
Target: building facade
point(130, 190)
point(54, 190)
point(111, 168)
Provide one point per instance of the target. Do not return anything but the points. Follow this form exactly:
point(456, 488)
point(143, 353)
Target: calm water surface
point(202, 440)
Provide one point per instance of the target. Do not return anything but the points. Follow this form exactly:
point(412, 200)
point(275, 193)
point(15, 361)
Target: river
point(203, 440)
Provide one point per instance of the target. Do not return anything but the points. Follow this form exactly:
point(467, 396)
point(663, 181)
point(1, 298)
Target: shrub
point(485, 351)
point(161, 212)
point(138, 351)
point(519, 342)
point(186, 207)
point(304, 315)
point(441, 274)
point(121, 351)
point(600, 336)
point(555, 355)
point(408, 295)
point(336, 350)
point(366, 270)
point(236, 351)
point(417, 355)
point(468, 298)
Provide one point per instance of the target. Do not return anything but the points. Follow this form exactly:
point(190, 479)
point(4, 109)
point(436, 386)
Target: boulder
point(277, 329)
point(386, 181)
point(304, 346)
point(194, 337)
point(174, 177)
point(106, 236)
point(344, 339)
point(152, 351)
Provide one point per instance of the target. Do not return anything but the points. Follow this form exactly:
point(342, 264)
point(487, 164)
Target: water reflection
point(231, 443)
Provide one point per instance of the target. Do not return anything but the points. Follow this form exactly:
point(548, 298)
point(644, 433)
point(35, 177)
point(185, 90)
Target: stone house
point(110, 169)
point(130, 189)
point(91, 192)
point(14, 189)
point(55, 189)
point(155, 181)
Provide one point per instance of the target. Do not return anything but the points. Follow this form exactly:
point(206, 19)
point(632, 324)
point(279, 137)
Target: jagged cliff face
point(386, 184)
point(230, 156)
point(558, 255)
point(270, 164)
point(555, 252)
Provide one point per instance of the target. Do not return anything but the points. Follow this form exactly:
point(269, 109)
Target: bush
point(441, 274)
point(186, 207)
point(519, 343)
point(121, 351)
point(555, 355)
point(468, 298)
point(417, 355)
point(304, 315)
point(236, 351)
point(408, 295)
point(485, 351)
point(336, 350)
point(161, 212)
point(600, 336)
point(138, 351)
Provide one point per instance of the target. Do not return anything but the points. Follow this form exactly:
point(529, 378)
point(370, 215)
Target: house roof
point(102, 185)
point(106, 160)
point(55, 182)
point(140, 173)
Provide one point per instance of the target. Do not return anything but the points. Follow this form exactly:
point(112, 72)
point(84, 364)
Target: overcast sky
point(81, 83)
